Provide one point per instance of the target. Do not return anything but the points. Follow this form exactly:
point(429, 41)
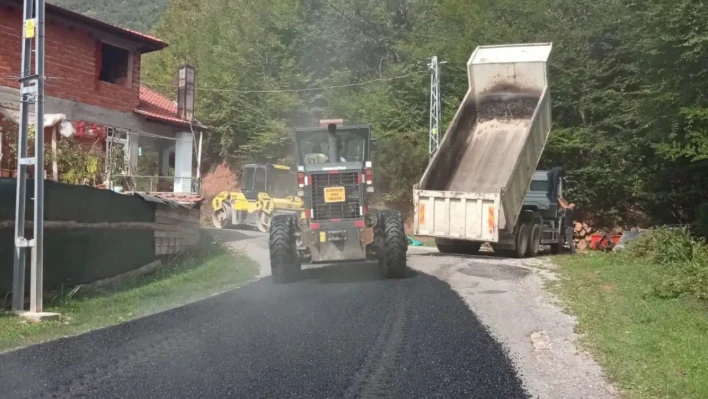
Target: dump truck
point(481, 185)
point(335, 180)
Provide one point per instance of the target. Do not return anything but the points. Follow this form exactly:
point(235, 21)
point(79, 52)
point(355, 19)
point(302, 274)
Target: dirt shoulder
point(510, 297)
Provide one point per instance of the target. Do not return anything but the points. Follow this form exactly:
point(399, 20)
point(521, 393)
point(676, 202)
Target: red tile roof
point(154, 105)
point(171, 199)
point(152, 101)
point(149, 43)
point(162, 117)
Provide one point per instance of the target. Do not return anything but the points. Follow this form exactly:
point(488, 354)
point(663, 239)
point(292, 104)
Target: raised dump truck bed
point(474, 187)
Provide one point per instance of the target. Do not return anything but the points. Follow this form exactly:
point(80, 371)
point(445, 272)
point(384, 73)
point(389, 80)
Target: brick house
point(93, 83)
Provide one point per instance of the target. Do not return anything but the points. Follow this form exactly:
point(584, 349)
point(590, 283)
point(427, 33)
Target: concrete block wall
point(178, 229)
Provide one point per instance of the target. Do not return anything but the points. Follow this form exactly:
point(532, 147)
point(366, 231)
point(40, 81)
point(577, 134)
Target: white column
point(165, 161)
point(132, 154)
point(183, 162)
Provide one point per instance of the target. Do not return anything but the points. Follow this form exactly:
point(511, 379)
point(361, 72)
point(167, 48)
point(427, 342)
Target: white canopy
point(64, 126)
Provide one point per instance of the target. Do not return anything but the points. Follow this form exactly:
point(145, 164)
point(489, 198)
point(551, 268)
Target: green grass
point(651, 347)
point(176, 282)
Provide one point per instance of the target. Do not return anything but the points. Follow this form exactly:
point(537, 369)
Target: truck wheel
point(392, 244)
point(535, 237)
point(522, 240)
point(284, 257)
point(447, 246)
point(471, 248)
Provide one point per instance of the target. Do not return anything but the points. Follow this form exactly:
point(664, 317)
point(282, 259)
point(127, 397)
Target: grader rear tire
point(284, 258)
point(393, 245)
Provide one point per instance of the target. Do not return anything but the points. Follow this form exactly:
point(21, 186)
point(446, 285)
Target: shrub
point(681, 259)
point(700, 225)
point(665, 246)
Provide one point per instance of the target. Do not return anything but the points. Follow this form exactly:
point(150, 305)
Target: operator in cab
point(319, 156)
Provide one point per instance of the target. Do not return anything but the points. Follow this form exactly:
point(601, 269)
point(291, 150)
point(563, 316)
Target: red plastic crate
point(597, 238)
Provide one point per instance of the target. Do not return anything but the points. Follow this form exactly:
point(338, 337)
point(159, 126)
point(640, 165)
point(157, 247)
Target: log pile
point(582, 236)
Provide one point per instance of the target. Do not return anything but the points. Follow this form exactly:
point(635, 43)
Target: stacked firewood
point(581, 236)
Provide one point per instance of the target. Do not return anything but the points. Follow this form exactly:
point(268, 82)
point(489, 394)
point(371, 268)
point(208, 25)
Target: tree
point(627, 83)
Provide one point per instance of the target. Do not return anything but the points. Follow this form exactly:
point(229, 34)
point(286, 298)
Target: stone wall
point(178, 229)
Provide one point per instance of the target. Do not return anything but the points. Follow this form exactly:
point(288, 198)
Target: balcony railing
point(171, 184)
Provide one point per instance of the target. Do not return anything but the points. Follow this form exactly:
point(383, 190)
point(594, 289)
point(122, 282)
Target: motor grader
point(335, 180)
point(266, 190)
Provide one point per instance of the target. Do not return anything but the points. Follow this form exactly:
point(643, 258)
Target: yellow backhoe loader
point(266, 190)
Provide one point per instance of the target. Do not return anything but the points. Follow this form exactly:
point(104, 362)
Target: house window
point(115, 65)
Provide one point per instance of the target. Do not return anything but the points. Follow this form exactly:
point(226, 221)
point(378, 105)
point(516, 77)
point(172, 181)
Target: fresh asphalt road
point(338, 332)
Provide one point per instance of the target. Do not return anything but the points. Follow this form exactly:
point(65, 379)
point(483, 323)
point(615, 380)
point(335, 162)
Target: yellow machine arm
point(266, 203)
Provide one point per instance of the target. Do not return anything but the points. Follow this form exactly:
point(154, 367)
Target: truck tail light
point(300, 179)
point(369, 173)
point(491, 222)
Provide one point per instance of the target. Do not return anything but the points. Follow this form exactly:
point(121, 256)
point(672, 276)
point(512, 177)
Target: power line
point(16, 78)
point(322, 88)
point(213, 89)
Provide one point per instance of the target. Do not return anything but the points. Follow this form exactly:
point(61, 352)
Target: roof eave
point(145, 49)
point(170, 121)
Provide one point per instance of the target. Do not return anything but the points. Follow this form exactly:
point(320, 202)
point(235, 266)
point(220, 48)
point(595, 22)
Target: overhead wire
point(308, 89)
point(223, 90)
point(15, 77)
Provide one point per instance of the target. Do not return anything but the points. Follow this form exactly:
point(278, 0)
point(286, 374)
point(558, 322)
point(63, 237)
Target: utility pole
point(434, 68)
point(31, 92)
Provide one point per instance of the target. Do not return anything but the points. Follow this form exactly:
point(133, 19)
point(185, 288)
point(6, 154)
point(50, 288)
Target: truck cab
point(537, 200)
